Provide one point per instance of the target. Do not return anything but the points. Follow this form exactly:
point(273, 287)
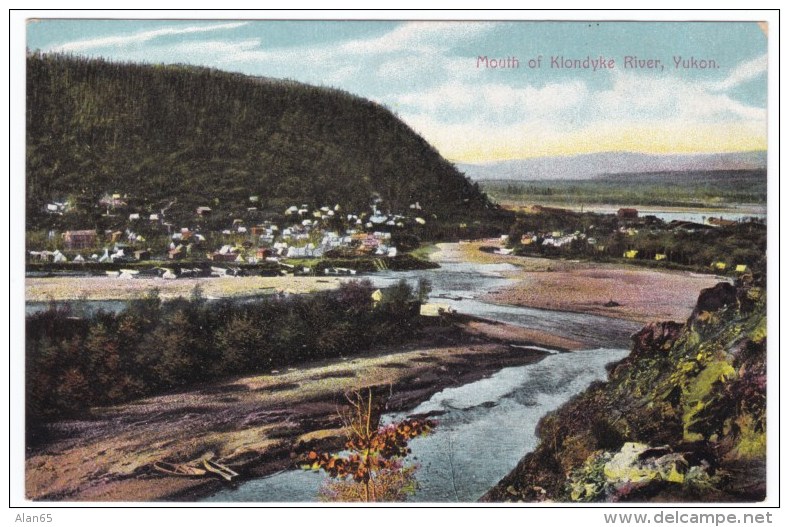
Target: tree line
point(75, 362)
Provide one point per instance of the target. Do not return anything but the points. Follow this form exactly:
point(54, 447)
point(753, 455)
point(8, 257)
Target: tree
point(373, 470)
point(423, 289)
point(243, 345)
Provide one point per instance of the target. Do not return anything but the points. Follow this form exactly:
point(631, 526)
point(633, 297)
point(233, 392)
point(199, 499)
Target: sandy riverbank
point(105, 288)
point(643, 295)
point(254, 423)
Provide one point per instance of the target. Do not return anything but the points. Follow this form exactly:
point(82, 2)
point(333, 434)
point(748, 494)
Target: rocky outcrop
point(682, 418)
point(656, 337)
point(715, 298)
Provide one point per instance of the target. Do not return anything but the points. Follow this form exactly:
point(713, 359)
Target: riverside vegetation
point(75, 362)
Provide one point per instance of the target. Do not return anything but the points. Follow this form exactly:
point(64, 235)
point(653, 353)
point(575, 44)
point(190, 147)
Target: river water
point(484, 427)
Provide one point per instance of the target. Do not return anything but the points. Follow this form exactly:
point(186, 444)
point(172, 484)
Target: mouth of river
point(487, 426)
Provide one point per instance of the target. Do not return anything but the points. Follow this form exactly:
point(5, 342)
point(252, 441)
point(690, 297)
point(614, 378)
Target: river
point(484, 427)
point(669, 214)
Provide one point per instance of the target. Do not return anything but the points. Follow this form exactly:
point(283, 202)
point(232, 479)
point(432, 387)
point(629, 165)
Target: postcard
point(395, 261)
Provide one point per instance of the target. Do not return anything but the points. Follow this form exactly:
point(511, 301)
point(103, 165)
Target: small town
point(300, 233)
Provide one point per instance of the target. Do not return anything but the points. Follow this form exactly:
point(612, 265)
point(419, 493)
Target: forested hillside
point(155, 134)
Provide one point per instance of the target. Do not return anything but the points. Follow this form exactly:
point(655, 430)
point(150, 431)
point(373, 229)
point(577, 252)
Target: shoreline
point(639, 294)
point(253, 423)
point(606, 208)
point(63, 289)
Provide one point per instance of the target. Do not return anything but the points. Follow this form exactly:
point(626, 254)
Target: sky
point(432, 75)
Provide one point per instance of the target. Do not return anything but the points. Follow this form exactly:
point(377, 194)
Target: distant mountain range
point(590, 166)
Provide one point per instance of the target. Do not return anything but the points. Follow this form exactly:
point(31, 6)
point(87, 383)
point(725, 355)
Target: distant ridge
point(589, 166)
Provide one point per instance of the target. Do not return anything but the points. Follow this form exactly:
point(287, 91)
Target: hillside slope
point(681, 419)
point(209, 138)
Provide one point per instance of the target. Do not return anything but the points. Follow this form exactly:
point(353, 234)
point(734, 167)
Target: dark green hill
point(206, 137)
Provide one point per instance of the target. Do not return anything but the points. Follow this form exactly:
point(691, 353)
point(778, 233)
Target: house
point(153, 217)
point(627, 214)
point(142, 255)
point(719, 266)
point(114, 200)
point(630, 254)
point(57, 207)
point(660, 257)
point(203, 211)
point(227, 253)
point(42, 256)
point(177, 253)
point(79, 239)
point(135, 216)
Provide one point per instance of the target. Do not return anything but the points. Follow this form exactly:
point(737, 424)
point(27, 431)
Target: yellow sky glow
point(652, 139)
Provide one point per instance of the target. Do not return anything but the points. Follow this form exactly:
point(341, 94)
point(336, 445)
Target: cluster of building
point(301, 232)
point(555, 238)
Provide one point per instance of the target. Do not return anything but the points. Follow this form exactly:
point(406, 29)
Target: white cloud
point(141, 37)
point(649, 98)
point(743, 72)
point(416, 37)
point(637, 111)
point(496, 103)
